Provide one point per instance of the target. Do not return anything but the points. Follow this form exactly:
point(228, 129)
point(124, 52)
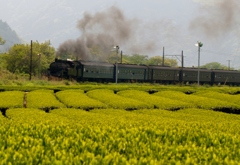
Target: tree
point(156, 60)
point(139, 59)
point(17, 60)
point(135, 59)
point(2, 41)
point(215, 65)
point(170, 62)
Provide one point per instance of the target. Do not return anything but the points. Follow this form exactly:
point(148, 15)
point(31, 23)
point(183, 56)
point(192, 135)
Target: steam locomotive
point(106, 72)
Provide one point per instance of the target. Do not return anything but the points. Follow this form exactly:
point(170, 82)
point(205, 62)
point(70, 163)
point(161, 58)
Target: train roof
point(225, 71)
point(131, 66)
point(196, 69)
point(95, 63)
point(162, 67)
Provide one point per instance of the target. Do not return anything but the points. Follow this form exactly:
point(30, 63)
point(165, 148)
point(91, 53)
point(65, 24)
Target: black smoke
point(217, 19)
point(102, 30)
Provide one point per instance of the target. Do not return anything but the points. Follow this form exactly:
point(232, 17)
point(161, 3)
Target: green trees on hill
point(1, 41)
point(144, 59)
point(17, 60)
point(216, 65)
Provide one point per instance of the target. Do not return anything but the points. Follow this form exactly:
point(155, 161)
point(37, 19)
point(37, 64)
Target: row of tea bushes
point(110, 136)
point(116, 101)
point(11, 99)
point(43, 99)
point(220, 96)
point(200, 102)
point(126, 99)
point(33, 116)
point(155, 101)
point(78, 99)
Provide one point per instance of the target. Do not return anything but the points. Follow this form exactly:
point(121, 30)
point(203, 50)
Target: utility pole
point(199, 45)
point(163, 58)
point(117, 48)
point(228, 64)
point(177, 56)
point(182, 60)
point(121, 56)
point(30, 72)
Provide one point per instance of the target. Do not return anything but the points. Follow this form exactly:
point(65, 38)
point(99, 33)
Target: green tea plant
point(11, 99)
point(200, 102)
point(155, 101)
point(78, 99)
point(43, 99)
point(113, 136)
point(116, 101)
point(220, 96)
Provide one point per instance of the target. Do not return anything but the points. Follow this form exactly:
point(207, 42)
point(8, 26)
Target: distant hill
point(9, 35)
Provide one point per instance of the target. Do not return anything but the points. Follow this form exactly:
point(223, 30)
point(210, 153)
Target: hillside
point(9, 35)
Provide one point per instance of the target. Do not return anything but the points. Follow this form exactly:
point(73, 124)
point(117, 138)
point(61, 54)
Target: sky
point(150, 25)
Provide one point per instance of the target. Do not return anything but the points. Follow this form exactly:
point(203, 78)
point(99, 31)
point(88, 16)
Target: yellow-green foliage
point(43, 99)
point(77, 99)
point(3, 120)
point(110, 136)
point(11, 99)
point(116, 101)
point(155, 101)
point(32, 116)
point(198, 101)
point(117, 136)
point(220, 96)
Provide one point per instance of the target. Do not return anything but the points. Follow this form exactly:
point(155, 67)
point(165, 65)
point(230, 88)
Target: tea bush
point(78, 99)
point(110, 136)
point(200, 102)
point(11, 99)
point(43, 99)
point(116, 101)
point(155, 101)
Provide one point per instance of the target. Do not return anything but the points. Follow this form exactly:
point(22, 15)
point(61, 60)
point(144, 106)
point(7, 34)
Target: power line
point(221, 54)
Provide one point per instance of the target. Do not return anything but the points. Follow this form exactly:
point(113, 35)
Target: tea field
point(128, 126)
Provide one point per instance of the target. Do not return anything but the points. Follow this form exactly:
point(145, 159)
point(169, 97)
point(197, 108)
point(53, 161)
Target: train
point(81, 70)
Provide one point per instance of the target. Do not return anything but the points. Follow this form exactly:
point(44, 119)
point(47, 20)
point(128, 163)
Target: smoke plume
point(217, 19)
point(102, 31)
